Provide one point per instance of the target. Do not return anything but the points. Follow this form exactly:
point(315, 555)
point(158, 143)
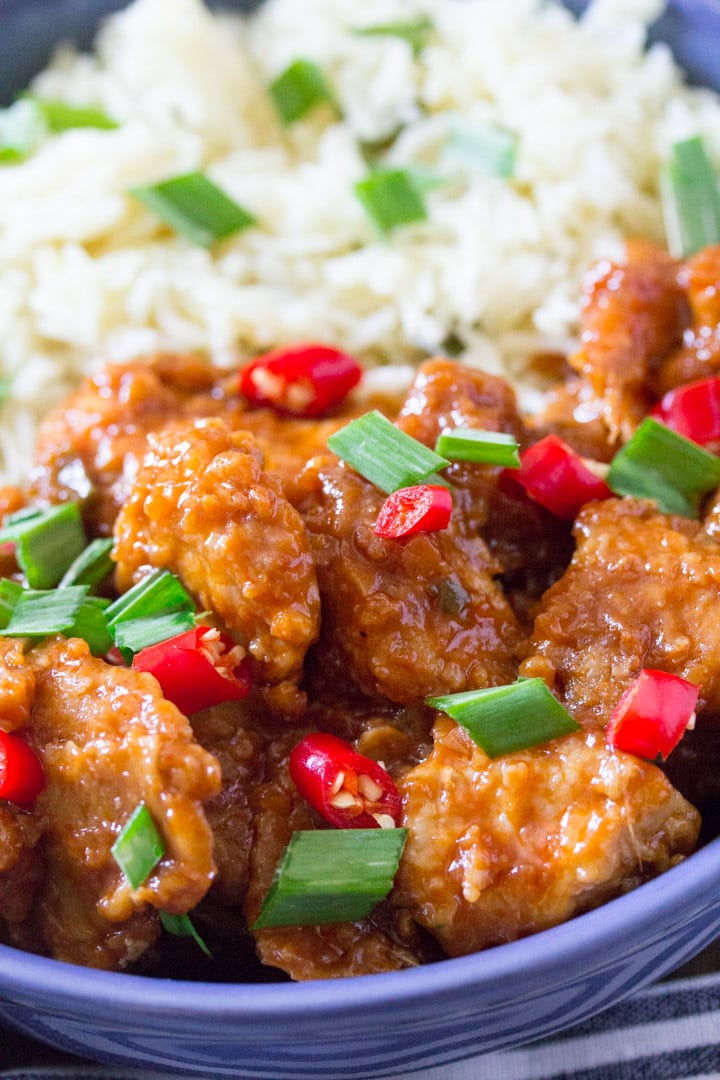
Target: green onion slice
point(691, 201)
point(502, 719)
point(90, 624)
point(91, 567)
point(487, 447)
point(37, 613)
point(62, 116)
point(298, 89)
point(21, 131)
point(415, 32)
point(6, 385)
point(391, 198)
point(384, 454)
point(46, 542)
point(332, 875)
point(159, 593)
point(195, 207)
point(139, 847)
point(132, 635)
point(481, 148)
point(182, 926)
point(658, 463)
point(9, 593)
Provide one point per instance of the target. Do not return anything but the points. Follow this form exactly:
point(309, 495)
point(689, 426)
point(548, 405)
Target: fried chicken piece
point(90, 447)
point(498, 849)
point(108, 741)
point(402, 618)
point(531, 545)
point(385, 941)
point(21, 866)
point(641, 591)
point(17, 685)
point(632, 317)
point(202, 507)
point(699, 355)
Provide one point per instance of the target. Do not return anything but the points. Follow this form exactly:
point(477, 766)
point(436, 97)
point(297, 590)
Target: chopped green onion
point(37, 613)
point(488, 447)
point(391, 198)
point(91, 567)
point(159, 593)
point(182, 926)
point(299, 89)
point(502, 719)
point(90, 624)
point(658, 463)
point(9, 593)
point(195, 207)
point(691, 202)
point(384, 454)
point(484, 148)
point(415, 32)
point(332, 875)
point(46, 542)
point(139, 847)
point(132, 635)
point(6, 385)
point(62, 116)
point(21, 131)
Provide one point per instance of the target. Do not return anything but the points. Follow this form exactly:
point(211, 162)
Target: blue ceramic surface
point(375, 1025)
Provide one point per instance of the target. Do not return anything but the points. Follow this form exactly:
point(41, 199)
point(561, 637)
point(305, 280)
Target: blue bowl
point(376, 1025)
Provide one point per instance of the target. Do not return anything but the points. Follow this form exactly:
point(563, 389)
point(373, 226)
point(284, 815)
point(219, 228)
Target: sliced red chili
point(351, 791)
point(558, 478)
point(303, 380)
point(421, 508)
point(693, 410)
point(21, 774)
point(653, 715)
point(197, 669)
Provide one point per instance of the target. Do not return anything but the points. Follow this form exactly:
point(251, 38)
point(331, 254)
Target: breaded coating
point(501, 849)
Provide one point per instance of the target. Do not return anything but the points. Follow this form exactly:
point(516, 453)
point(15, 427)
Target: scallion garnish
point(195, 207)
point(62, 116)
point(481, 148)
point(332, 875)
point(159, 593)
point(502, 719)
point(298, 89)
point(691, 202)
point(90, 624)
point(488, 447)
point(21, 130)
point(9, 592)
point(139, 847)
point(657, 463)
point(384, 454)
point(6, 385)
point(182, 926)
point(132, 635)
point(415, 32)
point(46, 542)
point(391, 198)
point(92, 565)
point(37, 613)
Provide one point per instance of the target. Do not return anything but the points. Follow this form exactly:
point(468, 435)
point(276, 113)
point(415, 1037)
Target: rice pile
point(87, 273)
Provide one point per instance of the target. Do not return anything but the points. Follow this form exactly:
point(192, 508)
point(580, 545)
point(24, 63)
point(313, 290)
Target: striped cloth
point(668, 1032)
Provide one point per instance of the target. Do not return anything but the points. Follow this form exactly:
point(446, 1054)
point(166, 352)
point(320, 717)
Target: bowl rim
point(673, 898)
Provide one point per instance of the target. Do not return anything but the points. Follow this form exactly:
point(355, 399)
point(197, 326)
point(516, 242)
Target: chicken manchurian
point(345, 634)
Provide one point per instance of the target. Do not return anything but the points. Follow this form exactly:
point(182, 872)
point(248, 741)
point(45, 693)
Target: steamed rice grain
point(88, 274)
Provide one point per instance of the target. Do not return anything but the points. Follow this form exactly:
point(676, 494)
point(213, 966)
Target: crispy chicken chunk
point(632, 317)
point(699, 355)
point(91, 446)
point(501, 849)
point(641, 591)
point(202, 507)
point(108, 740)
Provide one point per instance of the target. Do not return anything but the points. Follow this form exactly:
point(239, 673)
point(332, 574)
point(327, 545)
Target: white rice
point(88, 274)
